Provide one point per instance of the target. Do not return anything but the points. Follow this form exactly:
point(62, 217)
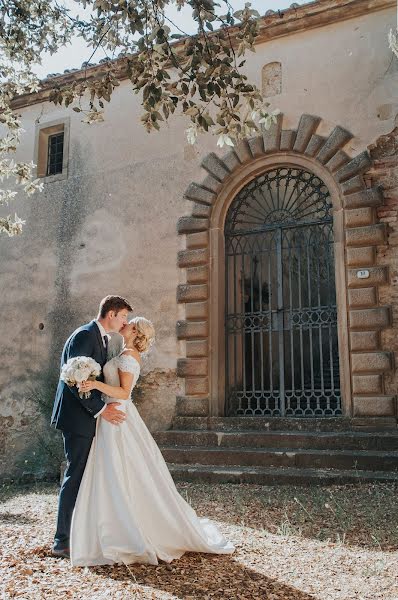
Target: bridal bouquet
point(79, 369)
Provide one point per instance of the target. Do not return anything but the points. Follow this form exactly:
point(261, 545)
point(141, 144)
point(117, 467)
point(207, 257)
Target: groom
point(76, 417)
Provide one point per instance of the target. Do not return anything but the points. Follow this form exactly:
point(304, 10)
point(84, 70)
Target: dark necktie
point(106, 344)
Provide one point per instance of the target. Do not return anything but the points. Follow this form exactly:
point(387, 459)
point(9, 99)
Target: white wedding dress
point(128, 509)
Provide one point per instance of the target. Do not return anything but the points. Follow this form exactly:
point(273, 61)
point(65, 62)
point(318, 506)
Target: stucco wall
point(110, 227)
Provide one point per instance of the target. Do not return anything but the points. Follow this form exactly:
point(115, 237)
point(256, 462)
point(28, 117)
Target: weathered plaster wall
point(344, 72)
point(111, 225)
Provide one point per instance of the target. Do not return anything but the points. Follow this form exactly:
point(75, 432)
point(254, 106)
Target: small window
point(51, 151)
point(55, 153)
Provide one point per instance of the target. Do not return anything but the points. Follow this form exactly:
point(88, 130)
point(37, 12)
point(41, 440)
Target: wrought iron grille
point(55, 153)
point(281, 313)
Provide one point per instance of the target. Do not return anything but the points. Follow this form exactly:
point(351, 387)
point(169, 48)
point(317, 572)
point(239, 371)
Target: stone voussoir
point(377, 276)
point(336, 140)
point(256, 145)
point(314, 145)
point(192, 258)
point(272, 136)
point(196, 406)
point(243, 151)
point(196, 348)
point(362, 297)
point(191, 225)
point(211, 183)
point(375, 406)
point(196, 386)
point(215, 166)
point(370, 318)
point(203, 211)
point(197, 240)
point(353, 185)
point(367, 384)
point(197, 274)
point(197, 310)
point(307, 126)
point(192, 367)
point(337, 161)
point(371, 362)
point(197, 193)
point(370, 235)
point(231, 160)
point(371, 197)
point(358, 165)
point(364, 340)
point(364, 256)
point(288, 137)
point(191, 329)
point(359, 217)
point(191, 292)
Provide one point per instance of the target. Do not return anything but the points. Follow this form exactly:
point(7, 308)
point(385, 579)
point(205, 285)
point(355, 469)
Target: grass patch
point(362, 514)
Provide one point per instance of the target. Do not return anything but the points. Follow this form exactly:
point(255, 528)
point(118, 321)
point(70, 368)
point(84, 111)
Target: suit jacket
point(71, 413)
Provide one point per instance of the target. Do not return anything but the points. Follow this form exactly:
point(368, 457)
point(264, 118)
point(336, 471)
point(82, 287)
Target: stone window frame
point(357, 234)
point(217, 279)
point(42, 134)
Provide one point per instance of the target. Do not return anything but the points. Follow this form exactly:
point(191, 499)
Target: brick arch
point(357, 235)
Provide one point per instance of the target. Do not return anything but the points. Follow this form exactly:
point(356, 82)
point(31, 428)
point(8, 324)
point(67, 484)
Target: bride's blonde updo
point(145, 333)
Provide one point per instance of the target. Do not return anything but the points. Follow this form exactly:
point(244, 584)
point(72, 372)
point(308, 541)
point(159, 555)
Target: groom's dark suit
point(75, 417)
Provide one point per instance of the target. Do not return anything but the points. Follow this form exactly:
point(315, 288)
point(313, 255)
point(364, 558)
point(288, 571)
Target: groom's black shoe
point(60, 552)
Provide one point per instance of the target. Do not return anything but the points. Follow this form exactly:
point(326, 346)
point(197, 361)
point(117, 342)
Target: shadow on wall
point(65, 205)
point(67, 313)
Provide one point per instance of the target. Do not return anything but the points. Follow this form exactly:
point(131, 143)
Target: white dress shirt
point(103, 335)
point(102, 332)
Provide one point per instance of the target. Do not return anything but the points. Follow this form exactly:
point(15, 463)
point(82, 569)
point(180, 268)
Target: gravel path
point(292, 544)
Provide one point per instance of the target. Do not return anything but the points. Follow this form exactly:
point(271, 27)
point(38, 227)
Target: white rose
point(86, 372)
point(79, 375)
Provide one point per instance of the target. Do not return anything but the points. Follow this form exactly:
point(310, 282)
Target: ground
point(293, 543)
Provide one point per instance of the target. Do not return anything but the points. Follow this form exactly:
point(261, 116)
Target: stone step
point(344, 440)
point(333, 424)
point(273, 476)
point(283, 457)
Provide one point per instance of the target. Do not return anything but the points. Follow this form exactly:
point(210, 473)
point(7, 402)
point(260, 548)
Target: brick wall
point(384, 173)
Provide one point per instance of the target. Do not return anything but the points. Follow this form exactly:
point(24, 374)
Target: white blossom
point(224, 140)
point(94, 116)
point(11, 226)
point(393, 41)
point(192, 134)
point(267, 119)
point(33, 186)
point(6, 196)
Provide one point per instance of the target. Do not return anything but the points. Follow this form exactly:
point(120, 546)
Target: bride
point(128, 509)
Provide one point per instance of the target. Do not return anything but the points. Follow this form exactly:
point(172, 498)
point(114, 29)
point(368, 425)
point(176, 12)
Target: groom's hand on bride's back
point(112, 414)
